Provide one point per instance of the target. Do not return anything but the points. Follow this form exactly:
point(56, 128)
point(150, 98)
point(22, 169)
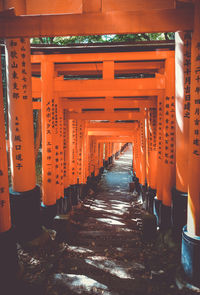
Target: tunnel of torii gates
point(86, 122)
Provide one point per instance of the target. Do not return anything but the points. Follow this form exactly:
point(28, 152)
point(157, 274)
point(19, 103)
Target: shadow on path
point(102, 251)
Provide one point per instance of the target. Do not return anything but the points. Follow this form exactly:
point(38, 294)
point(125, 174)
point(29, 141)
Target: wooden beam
point(149, 21)
point(36, 92)
point(83, 88)
point(104, 126)
point(100, 57)
point(76, 105)
point(130, 5)
point(103, 103)
point(116, 139)
point(119, 132)
point(112, 117)
point(92, 6)
point(53, 6)
point(92, 69)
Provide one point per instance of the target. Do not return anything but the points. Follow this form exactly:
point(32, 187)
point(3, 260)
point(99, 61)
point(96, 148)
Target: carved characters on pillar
point(20, 107)
point(160, 129)
point(18, 144)
point(187, 73)
point(56, 145)
point(142, 152)
point(169, 130)
point(106, 151)
point(136, 154)
point(61, 154)
point(74, 152)
point(196, 110)
point(151, 155)
point(152, 129)
point(49, 109)
point(65, 123)
point(5, 220)
point(18, 58)
point(80, 128)
point(160, 147)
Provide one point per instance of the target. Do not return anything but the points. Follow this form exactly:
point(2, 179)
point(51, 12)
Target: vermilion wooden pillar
point(143, 153)
point(73, 162)
point(95, 154)
point(169, 143)
point(136, 163)
point(85, 151)
point(139, 155)
point(106, 154)
point(65, 131)
point(101, 157)
point(8, 252)
point(56, 147)
point(66, 205)
point(61, 150)
point(153, 152)
point(5, 218)
point(80, 150)
point(160, 149)
point(191, 232)
point(49, 191)
point(147, 129)
point(183, 81)
point(25, 195)
point(73, 152)
point(59, 157)
point(151, 157)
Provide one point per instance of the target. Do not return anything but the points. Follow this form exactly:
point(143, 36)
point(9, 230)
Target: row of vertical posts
point(23, 199)
point(69, 157)
point(173, 150)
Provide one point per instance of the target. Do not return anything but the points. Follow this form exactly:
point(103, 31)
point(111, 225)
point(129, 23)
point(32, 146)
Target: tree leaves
point(103, 38)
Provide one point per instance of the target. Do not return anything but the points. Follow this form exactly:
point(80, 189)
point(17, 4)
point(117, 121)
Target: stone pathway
point(102, 251)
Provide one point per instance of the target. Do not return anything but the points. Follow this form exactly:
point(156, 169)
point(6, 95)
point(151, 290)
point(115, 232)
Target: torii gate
point(112, 108)
point(27, 19)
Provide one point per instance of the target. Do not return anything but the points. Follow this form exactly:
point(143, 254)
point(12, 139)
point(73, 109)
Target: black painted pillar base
point(83, 190)
point(47, 214)
point(150, 195)
point(101, 170)
point(179, 210)
point(61, 206)
point(106, 163)
point(137, 186)
point(25, 213)
point(67, 197)
point(190, 257)
point(74, 191)
point(144, 198)
point(8, 261)
point(165, 217)
point(157, 210)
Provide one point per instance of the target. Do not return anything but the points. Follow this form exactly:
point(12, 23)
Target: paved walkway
point(103, 252)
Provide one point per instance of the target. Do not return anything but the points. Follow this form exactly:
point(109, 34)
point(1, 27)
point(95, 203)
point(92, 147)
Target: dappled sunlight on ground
point(110, 221)
point(109, 266)
point(103, 253)
point(79, 249)
point(81, 283)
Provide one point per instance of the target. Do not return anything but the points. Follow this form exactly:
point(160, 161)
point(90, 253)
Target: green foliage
point(103, 38)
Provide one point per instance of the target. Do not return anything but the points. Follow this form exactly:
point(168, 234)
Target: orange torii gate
point(24, 19)
point(108, 107)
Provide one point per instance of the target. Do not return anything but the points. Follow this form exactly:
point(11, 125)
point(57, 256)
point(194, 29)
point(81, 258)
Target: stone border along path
point(99, 250)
